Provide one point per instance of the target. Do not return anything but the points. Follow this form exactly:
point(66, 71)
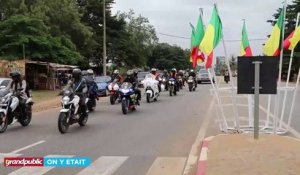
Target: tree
point(165, 56)
point(19, 30)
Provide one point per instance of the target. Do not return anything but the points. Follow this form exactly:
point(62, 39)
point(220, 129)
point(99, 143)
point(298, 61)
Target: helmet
point(174, 70)
point(15, 75)
point(76, 73)
point(116, 71)
point(90, 72)
point(84, 73)
point(153, 70)
point(129, 72)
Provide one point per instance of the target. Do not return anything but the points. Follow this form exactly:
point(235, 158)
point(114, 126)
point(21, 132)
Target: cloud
point(173, 17)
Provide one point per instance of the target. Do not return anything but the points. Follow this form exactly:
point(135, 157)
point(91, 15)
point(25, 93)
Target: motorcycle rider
point(226, 76)
point(193, 74)
point(156, 77)
point(79, 85)
point(174, 75)
point(19, 86)
point(116, 76)
point(180, 73)
point(91, 84)
point(131, 77)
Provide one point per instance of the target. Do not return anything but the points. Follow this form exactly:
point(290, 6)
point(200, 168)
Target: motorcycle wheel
point(171, 91)
point(190, 88)
point(90, 107)
point(148, 98)
point(63, 126)
point(3, 124)
point(83, 120)
point(27, 120)
point(175, 90)
point(112, 99)
point(124, 107)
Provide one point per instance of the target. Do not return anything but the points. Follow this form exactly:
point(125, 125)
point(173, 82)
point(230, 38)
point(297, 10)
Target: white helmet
point(90, 72)
point(153, 70)
point(116, 71)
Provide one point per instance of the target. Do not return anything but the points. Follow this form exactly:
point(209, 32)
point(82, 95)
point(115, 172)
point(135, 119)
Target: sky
point(173, 17)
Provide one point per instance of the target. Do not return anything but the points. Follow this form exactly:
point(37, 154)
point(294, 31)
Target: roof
point(53, 65)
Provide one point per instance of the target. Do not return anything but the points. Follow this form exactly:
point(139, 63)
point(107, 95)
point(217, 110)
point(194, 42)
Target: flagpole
point(288, 78)
point(231, 82)
point(293, 101)
point(280, 71)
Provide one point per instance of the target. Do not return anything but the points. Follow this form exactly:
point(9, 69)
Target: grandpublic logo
point(47, 161)
point(25, 161)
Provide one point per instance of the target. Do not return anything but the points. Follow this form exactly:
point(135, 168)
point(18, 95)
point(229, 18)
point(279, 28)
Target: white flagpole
point(288, 78)
point(280, 71)
point(293, 101)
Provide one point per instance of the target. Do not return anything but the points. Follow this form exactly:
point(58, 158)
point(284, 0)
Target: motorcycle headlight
point(170, 82)
point(110, 87)
point(173, 82)
point(66, 100)
point(116, 87)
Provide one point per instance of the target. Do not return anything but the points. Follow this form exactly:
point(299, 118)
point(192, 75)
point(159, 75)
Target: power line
point(230, 40)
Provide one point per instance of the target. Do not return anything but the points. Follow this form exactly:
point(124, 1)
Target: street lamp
point(104, 39)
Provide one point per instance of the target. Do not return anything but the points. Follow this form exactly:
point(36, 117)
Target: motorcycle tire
point(26, 121)
point(124, 107)
point(63, 126)
point(83, 120)
point(3, 124)
point(190, 88)
point(171, 91)
point(148, 98)
point(112, 99)
point(175, 91)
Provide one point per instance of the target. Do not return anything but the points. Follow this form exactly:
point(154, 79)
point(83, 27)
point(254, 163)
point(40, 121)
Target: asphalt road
point(155, 139)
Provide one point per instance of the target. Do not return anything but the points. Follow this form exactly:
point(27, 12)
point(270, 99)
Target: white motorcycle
point(70, 112)
point(11, 112)
point(151, 88)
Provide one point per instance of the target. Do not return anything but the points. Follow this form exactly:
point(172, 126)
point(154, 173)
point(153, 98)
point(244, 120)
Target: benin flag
point(245, 46)
point(292, 40)
point(273, 45)
point(212, 36)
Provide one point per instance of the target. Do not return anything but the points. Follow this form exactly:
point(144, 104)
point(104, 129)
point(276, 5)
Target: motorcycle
point(91, 104)
point(164, 83)
point(172, 87)
point(71, 112)
point(151, 88)
point(11, 110)
point(191, 83)
point(226, 78)
point(113, 92)
point(180, 82)
point(128, 98)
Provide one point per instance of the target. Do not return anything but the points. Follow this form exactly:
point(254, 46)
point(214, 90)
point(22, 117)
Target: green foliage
point(165, 56)
point(39, 44)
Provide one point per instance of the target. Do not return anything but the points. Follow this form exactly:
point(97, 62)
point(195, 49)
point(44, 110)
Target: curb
point(201, 168)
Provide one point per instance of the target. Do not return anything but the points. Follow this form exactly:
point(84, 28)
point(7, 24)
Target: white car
point(202, 76)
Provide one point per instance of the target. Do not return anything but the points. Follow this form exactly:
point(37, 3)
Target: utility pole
point(104, 39)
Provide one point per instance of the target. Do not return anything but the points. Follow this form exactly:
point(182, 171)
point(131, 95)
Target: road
point(155, 139)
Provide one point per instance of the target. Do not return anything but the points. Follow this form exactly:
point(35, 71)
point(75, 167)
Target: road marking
point(167, 165)
point(26, 147)
point(105, 165)
point(3, 155)
point(195, 150)
point(203, 155)
point(36, 170)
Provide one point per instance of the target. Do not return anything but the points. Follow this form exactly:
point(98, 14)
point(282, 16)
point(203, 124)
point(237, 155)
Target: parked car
point(5, 84)
point(102, 83)
point(141, 76)
point(203, 76)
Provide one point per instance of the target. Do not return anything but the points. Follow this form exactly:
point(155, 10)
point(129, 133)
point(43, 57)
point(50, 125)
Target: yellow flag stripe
point(207, 44)
point(295, 39)
point(273, 43)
